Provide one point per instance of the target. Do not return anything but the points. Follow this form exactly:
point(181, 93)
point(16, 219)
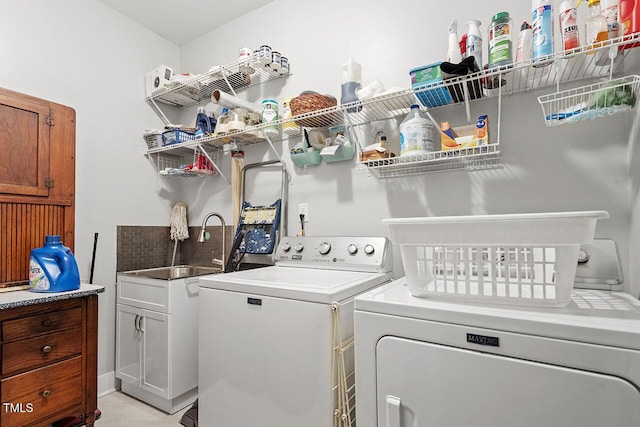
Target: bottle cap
point(592, 2)
point(500, 15)
point(414, 106)
point(52, 240)
point(525, 26)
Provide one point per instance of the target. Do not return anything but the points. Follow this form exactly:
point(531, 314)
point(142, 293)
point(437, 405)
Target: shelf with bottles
point(574, 65)
point(562, 67)
point(229, 78)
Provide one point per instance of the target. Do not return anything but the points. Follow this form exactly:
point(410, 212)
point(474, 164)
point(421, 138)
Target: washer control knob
point(286, 246)
point(298, 247)
point(352, 249)
point(369, 249)
point(324, 248)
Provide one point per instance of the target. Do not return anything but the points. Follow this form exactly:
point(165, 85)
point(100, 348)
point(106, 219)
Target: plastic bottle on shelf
point(416, 134)
point(500, 42)
point(610, 11)
point(542, 28)
point(474, 41)
point(203, 125)
point(523, 51)
point(629, 16)
point(453, 52)
point(212, 122)
point(596, 30)
point(351, 81)
point(269, 115)
point(568, 19)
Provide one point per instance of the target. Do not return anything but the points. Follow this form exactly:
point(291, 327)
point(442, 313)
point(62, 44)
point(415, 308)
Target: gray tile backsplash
point(140, 247)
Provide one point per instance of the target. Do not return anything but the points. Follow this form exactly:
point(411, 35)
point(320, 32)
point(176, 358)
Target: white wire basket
point(591, 102)
point(524, 259)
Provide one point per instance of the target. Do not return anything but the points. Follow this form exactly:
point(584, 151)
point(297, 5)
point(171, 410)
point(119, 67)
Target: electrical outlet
point(303, 209)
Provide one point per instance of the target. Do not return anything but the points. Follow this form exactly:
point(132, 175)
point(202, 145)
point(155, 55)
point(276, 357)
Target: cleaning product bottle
point(610, 11)
point(568, 20)
point(474, 41)
point(542, 27)
point(629, 16)
point(53, 268)
point(416, 134)
point(453, 53)
point(523, 51)
point(596, 29)
point(500, 43)
point(351, 81)
point(203, 126)
point(212, 122)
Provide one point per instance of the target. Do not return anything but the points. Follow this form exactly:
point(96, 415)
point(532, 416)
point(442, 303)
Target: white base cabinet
point(157, 340)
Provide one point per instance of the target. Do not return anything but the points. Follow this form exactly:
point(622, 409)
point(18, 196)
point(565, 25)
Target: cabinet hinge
point(48, 182)
point(49, 120)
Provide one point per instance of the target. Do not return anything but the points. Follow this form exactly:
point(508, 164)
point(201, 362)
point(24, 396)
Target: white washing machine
point(276, 343)
point(426, 362)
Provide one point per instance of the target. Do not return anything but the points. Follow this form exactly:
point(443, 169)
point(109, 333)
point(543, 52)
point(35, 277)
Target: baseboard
point(107, 383)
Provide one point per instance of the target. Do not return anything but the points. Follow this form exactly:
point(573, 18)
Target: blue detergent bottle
point(53, 268)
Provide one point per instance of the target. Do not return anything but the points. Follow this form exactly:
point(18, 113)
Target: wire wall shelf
point(560, 68)
point(591, 102)
point(474, 158)
point(186, 160)
point(230, 78)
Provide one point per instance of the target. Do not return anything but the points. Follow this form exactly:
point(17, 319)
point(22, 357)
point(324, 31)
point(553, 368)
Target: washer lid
point(592, 316)
point(305, 284)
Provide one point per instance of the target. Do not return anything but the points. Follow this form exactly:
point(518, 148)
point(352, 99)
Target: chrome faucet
point(203, 235)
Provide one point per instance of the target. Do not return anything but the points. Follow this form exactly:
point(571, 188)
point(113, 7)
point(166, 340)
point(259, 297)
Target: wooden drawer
point(18, 356)
point(40, 393)
point(40, 324)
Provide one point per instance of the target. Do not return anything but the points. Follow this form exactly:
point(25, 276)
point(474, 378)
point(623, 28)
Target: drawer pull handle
point(46, 393)
point(47, 349)
point(47, 322)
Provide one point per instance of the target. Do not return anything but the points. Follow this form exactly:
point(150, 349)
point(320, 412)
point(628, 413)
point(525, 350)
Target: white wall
point(82, 54)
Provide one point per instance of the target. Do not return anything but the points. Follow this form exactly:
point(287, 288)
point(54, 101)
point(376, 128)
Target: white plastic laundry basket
point(526, 259)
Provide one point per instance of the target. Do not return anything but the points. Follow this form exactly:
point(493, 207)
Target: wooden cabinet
point(49, 362)
point(37, 179)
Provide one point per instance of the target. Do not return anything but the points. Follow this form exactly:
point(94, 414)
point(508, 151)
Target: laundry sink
point(175, 272)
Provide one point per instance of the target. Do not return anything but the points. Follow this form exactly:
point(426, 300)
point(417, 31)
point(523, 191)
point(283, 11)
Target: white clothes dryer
point(424, 362)
point(276, 343)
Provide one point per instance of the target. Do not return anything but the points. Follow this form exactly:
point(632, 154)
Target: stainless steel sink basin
point(175, 272)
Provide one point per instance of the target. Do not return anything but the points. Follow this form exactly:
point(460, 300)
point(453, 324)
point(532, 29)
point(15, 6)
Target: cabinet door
point(24, 144)
point(155, 352)
point(129, 344)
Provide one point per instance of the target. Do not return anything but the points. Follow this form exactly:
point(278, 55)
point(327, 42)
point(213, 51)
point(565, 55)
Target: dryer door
point(422, 385)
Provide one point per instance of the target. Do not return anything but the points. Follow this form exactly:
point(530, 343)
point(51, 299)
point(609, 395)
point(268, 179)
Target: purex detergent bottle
point(53, 268)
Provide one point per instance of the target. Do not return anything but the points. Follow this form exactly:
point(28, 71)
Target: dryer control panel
point(368, 254)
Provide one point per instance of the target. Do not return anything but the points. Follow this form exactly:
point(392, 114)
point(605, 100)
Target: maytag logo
point(483, 340)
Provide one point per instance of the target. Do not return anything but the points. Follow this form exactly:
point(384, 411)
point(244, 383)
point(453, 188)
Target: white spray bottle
point(453, 53)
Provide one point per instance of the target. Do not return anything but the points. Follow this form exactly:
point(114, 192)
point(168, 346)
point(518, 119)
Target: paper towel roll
point(226, 100)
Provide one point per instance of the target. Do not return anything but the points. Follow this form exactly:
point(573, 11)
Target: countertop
point(14, 299)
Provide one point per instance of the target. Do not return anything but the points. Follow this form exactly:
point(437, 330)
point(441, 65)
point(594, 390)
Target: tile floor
point(121, 410)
